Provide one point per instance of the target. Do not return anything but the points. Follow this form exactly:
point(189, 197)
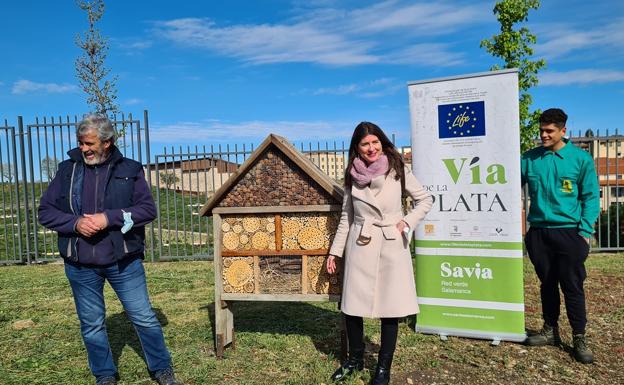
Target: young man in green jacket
point(565, 203)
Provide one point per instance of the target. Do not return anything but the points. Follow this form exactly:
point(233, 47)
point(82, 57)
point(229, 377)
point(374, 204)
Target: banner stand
point(466, 152)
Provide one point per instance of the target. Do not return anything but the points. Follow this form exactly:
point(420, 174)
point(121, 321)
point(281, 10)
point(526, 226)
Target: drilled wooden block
point(246, 232)
point(238, 275)
point(308, 231)
point(275, 180)
point(320, 281)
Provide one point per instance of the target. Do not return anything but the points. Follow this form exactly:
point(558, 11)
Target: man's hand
point(91, 224)
point(85, 226)
point(99, 220)
point(587, 239)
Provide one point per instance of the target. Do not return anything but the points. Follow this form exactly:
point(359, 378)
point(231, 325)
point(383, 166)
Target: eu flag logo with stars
point(461, 120)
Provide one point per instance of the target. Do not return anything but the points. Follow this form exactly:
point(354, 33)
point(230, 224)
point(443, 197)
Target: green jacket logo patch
point(566, 186)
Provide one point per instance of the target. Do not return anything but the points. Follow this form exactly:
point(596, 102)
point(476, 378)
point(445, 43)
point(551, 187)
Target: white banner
point(466, 151)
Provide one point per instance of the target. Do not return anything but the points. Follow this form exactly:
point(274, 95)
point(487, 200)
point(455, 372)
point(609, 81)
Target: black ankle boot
point(354, 363)
point(382, 372)
point(549, 335)
point(581, 351)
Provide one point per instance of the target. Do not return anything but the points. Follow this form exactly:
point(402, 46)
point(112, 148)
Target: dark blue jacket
point(124, 189)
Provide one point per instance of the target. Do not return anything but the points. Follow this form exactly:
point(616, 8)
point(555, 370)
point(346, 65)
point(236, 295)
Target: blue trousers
point(127, 278)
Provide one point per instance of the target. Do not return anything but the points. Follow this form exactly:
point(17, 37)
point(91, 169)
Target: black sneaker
point(547, 336)
point(580, 350)
point(108, 380)
point(167, 377)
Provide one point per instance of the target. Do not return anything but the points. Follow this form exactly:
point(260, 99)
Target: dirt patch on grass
point(472, 362)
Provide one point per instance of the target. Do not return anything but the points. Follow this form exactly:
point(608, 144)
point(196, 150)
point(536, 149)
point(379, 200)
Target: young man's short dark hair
point(554, 116)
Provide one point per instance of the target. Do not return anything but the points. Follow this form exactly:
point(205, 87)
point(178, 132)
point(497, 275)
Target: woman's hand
point(401, 226)
point(331, 264)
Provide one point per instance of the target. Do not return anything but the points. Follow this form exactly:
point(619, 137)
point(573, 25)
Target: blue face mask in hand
point(128, 223)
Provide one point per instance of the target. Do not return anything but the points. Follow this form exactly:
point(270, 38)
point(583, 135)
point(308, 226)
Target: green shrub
point(612, 227)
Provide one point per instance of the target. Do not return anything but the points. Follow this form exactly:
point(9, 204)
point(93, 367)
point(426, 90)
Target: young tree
point(169, 178)
point(514, 47)
point(49, 166)
point(91, 70)
point(6, 172)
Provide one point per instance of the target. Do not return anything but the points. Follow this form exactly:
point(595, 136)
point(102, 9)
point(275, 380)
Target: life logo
point(461, 120)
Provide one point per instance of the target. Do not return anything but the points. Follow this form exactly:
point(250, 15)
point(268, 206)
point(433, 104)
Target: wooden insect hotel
point(273, 219)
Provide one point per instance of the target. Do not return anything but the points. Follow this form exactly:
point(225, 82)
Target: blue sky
point(230, 72)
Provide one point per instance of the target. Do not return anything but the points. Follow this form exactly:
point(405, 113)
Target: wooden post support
point(256, 267)
point(224, 325)
point(278, 232)
point(219, 346)
point(304, 274)
point(224, 318)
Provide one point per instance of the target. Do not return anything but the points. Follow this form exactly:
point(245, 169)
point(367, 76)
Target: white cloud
point(214, 130)
point(312, 3)
point(27, 86)
point(335, 37)
point(132, 101)
point(132, 45)
point(587, 76)
point(563, 39)
point(427, 55)
point(371, 89)
point(339, 90)
point(425, 18)
point(267, 43)
point(137, 45)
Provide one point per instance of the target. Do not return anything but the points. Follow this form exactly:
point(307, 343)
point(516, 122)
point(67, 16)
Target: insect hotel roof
point(276, 178)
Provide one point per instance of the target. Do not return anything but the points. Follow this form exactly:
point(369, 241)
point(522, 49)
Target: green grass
point(284, 343)
point(11, 208)
point(177, 213)
point(51, 351)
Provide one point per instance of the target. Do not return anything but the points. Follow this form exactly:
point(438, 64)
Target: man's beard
point(98, 157)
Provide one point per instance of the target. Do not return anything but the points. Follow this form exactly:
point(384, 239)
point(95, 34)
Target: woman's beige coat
point(378, 274)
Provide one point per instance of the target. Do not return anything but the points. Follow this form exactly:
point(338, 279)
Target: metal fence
point(183, 179)
point(29, 157)
point(607, 150)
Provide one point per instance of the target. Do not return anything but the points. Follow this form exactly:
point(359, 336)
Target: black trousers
point(355, 335)
point(558, 256)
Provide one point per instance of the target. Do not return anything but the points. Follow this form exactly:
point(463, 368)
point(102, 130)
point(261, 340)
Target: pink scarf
point(362, 174)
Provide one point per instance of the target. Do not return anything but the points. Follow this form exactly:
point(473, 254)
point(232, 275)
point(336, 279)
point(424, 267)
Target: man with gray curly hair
point(99, 203)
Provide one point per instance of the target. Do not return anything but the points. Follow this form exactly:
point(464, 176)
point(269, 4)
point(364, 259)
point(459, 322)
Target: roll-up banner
point(466, 152)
